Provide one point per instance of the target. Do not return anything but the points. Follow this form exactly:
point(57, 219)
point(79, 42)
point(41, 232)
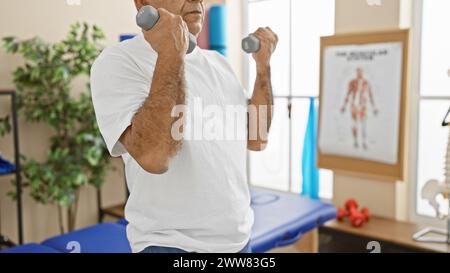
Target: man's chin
point(195, 28)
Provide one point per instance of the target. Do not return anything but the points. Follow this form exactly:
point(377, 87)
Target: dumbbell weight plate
point(251, 44)
point(147, 18)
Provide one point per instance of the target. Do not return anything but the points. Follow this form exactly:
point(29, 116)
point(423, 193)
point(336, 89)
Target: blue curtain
point(310, 173)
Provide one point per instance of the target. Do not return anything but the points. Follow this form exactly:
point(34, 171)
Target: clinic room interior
point(357, 155)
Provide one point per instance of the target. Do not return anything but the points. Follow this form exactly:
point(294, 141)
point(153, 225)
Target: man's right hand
point(170, 35)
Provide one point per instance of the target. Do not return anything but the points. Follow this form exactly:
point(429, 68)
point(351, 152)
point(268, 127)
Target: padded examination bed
point(280, 220)
point(31, 249)
point(102, 238)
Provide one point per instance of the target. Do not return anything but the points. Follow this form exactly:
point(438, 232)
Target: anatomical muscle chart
point(360, 101)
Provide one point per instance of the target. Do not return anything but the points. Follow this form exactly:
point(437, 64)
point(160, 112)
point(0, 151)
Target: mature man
point(185, 195)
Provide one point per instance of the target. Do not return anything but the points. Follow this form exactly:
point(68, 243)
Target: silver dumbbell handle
point(251, 44)
point(147, 18)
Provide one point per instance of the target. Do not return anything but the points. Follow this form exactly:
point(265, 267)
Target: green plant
point(5, 126)
point(77, 155)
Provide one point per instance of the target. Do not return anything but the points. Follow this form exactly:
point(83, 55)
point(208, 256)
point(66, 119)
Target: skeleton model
point(358, 93)
point(430, 192)
point(434, 188)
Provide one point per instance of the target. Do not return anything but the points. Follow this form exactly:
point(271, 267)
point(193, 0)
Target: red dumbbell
point(351, 204)
point(366, 212)
point(357, 219)
point(341, 214)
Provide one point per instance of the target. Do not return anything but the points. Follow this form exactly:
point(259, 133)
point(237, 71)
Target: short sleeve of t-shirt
point(119, 88)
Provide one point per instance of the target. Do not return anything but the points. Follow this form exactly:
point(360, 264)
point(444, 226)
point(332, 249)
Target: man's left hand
point(268, 43)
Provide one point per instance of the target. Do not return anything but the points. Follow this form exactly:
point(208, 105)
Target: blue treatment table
point(30, 248)
point(280, 220)
point(102, 238)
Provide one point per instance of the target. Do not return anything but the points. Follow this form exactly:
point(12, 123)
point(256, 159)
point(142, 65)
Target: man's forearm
point(261, 106)
point(149, 139)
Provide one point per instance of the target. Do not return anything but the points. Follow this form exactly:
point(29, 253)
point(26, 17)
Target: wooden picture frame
point(360, 166)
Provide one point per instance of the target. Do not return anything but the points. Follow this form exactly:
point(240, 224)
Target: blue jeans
point(160, 249)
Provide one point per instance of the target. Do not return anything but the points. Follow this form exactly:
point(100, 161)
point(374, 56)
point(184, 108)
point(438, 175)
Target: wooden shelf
point(8, 173)
point(395, 232)
point(18, 186)
point(6, 242)
point(115, 211)
point(6, 92)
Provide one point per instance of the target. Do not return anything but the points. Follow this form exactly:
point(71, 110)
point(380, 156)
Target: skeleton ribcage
point(447, 162)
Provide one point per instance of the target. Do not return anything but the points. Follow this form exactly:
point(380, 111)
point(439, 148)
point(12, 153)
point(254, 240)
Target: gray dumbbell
point(148, 16)
point(251, 44)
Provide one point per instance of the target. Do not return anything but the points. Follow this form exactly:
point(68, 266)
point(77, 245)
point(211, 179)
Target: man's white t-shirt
point(202, 204)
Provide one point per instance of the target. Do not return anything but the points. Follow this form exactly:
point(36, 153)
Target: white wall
point(388, 199)
point(358, 16)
